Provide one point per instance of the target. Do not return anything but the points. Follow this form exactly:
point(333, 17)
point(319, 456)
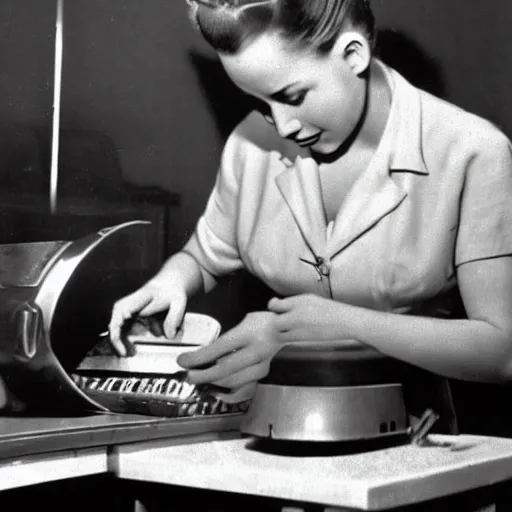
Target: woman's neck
point(377, 109)
point(368, 134)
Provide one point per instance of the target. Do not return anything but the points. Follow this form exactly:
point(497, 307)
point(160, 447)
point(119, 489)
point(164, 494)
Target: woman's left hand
point(308, 317)
point(240, 357)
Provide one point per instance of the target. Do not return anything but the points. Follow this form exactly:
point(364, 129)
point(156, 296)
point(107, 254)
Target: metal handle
point(29, 328)
point(21, 327)
point(420, 431)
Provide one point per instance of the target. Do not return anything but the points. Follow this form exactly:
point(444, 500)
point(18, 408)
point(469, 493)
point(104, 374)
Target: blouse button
point(322, 267)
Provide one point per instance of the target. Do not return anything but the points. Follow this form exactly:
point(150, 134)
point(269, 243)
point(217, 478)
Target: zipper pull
point(320, 265)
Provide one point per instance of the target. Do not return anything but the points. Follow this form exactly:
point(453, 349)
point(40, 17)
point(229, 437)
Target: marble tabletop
point(375, 479)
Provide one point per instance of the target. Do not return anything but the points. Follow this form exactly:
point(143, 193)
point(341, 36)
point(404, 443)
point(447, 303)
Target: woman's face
point(316, 101)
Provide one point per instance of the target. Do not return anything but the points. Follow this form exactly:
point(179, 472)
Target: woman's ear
point(355, 49)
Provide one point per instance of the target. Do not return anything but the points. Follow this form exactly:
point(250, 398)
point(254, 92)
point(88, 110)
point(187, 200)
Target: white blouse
point(437, 194)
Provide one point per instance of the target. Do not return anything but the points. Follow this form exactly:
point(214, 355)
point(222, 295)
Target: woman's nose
point(285, 124)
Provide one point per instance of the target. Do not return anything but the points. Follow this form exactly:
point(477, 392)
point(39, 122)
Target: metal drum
point(55, 299)
point(328, 391)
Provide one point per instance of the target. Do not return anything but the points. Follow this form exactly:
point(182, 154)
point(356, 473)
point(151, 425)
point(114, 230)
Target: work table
point(379, 479)
point(140, 449)
point(21, 436)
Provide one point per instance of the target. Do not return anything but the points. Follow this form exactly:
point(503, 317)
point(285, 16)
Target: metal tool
point(419, 431)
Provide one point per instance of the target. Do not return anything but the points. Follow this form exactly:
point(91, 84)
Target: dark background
point(137, 73)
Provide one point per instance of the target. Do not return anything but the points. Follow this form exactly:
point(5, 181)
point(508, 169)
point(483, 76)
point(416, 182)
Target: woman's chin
point(326, 149)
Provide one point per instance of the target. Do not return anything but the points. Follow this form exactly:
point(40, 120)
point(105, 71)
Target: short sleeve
point(485, 224)
point(213, 244)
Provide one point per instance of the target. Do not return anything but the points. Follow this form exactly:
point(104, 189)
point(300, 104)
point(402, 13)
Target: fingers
point(221, 347)
point(152, 308)
point(287, 315)
point(123, 310)
point(224, 367)
point(282, 321)
point(155, 326)
point(119, 343)
point(142, 325)
point(146, 301)
point(245, 376)
point(174, 317)
point(240, 395)
point(287, 336)
point(279, 305)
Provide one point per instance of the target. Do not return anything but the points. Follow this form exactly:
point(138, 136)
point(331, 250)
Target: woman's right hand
point(154, 297)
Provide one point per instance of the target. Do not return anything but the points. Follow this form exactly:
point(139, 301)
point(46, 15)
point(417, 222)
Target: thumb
point(174, 317)
point(152, 308)
point(240, 395)
point(208, 354)
point(278, 305)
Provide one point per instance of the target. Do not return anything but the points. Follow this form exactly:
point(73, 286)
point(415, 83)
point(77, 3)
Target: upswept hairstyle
point(229, 24)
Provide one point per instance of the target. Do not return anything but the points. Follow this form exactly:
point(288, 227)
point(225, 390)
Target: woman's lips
point(309, 141)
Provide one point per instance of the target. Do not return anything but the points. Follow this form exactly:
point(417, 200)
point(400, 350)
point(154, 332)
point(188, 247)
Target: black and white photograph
point(255, 255)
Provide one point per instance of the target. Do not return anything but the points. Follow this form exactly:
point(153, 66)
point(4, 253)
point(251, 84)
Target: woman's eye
point(297, 98)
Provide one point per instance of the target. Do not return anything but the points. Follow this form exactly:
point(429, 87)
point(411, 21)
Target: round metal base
point(350, 413)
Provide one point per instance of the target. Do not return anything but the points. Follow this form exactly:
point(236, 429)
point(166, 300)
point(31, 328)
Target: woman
point(366, 204)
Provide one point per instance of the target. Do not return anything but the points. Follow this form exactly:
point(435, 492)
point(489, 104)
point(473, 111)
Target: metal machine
point(330, 391)
point(56, 299)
